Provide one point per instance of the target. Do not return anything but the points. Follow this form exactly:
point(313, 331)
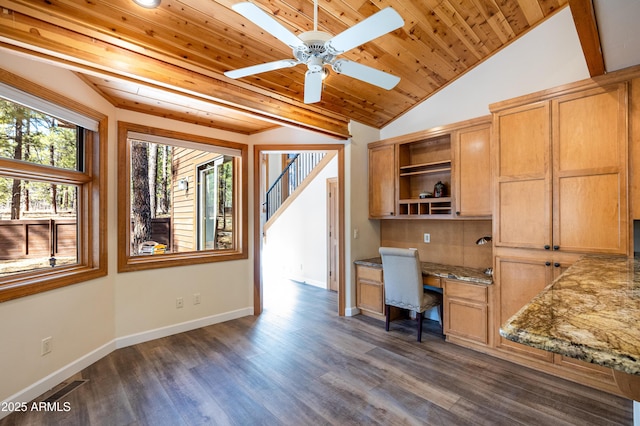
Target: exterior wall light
point(183, 184)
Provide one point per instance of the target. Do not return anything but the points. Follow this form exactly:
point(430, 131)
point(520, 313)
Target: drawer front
point(369, 273)
point(459, 290)
point(432, 280)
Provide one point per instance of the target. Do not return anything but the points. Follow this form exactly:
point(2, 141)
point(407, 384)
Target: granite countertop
point(591, 312)
point(461, 273)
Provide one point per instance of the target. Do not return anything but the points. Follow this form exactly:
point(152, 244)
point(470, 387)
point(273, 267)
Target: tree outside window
point(51, 193)
point(185, 198)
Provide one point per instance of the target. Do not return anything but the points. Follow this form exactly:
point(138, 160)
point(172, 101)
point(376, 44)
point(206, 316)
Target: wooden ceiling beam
point(584, 17)
point(86, 54)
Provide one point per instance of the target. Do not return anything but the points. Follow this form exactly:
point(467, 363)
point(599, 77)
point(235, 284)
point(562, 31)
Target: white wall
point(549, 55)
point(363, 235)
point(85, 309)
point(296, 243)
point(145, 300)
point(90, 319)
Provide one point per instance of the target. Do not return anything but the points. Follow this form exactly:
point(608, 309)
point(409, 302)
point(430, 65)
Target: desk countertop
point(591, 312)
point(461, 273)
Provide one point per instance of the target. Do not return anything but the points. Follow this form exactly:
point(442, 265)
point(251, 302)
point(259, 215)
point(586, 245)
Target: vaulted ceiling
point(170, 60)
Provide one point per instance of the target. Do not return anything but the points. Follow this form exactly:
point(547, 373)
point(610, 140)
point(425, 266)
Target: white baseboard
point(145, 336)
point(52, 380)
point(309, 281)
point(350, 312)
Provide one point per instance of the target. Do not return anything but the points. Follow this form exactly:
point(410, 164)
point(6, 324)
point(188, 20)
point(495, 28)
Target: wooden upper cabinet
point(523, 157)
point(382, 183)
point(590, 164)
point(472, 171)
point(561, 173)
point(404, 172)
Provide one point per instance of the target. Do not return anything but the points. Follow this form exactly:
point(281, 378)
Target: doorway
point(333, 235)
point(260, 182)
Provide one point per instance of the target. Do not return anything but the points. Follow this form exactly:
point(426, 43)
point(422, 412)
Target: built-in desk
point(592, 313)
point(466, 297)
point(433, 272)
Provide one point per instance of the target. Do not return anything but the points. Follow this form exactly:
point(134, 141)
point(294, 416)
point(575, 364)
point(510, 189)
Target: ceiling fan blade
point(257, 69)
point(267, 23)
point(366, 73)
point(312, 86)
point(374, 26)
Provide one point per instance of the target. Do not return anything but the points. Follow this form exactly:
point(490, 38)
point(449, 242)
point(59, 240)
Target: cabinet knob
point(458, 213)
point(547, 247)
point(557, 265)
point(547, 263)
point(556, 247)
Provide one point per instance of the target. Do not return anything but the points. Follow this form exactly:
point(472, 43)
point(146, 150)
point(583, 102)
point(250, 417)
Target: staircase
point(295, 176)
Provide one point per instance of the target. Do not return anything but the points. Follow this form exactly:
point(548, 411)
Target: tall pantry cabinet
point(560, 179)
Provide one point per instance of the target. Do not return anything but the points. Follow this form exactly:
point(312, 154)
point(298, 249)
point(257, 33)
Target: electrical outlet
point(46, 345)
point(427, 238)
point(196, 298)
point(179, 302)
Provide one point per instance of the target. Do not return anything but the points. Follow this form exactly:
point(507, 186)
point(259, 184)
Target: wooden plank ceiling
point(170, 60)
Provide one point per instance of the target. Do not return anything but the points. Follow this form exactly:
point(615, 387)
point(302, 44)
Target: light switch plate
point(427, 238)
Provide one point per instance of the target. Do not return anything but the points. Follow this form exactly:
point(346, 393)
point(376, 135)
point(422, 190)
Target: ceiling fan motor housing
point(314, 52)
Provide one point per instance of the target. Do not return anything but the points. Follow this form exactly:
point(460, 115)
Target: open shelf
point(421, 165)
point(426, 168)
point(425, 206)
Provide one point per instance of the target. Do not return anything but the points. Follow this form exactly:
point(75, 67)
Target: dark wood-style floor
point(299, 363)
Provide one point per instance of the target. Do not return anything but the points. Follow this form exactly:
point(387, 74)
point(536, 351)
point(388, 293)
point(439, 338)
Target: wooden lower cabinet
point(465, 311)
point(520, 280)
point(519, 277)
point(472, 313)
point(369, 289)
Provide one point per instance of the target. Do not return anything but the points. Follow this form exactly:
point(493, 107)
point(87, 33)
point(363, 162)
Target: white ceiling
point(619, 29)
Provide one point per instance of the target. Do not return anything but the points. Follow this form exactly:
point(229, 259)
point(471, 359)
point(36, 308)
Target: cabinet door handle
point(547, 247)
point(556, 247)
point(557, 265)
point(547, 263)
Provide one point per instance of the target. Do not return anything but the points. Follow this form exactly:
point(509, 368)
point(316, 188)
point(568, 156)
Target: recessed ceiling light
point(149, 4)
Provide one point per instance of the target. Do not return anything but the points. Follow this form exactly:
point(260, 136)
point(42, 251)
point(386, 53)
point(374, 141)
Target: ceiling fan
point(318, 48)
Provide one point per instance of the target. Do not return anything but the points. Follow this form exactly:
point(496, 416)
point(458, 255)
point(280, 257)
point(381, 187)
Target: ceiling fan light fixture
point(148, 4)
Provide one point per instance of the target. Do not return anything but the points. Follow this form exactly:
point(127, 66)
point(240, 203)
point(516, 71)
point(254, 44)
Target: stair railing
point(291, 177)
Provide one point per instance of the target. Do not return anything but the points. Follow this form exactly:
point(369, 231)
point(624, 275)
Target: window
point(52, 190)
point(215, 204)
point(181, 199)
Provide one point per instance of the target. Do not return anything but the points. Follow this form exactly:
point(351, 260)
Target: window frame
point(127, 262)
point(92, 199)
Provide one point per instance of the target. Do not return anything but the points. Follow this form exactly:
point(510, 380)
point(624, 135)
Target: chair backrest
point(402, 275)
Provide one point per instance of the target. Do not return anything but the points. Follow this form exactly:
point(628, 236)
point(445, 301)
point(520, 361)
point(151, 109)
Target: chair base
point(419, 318)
